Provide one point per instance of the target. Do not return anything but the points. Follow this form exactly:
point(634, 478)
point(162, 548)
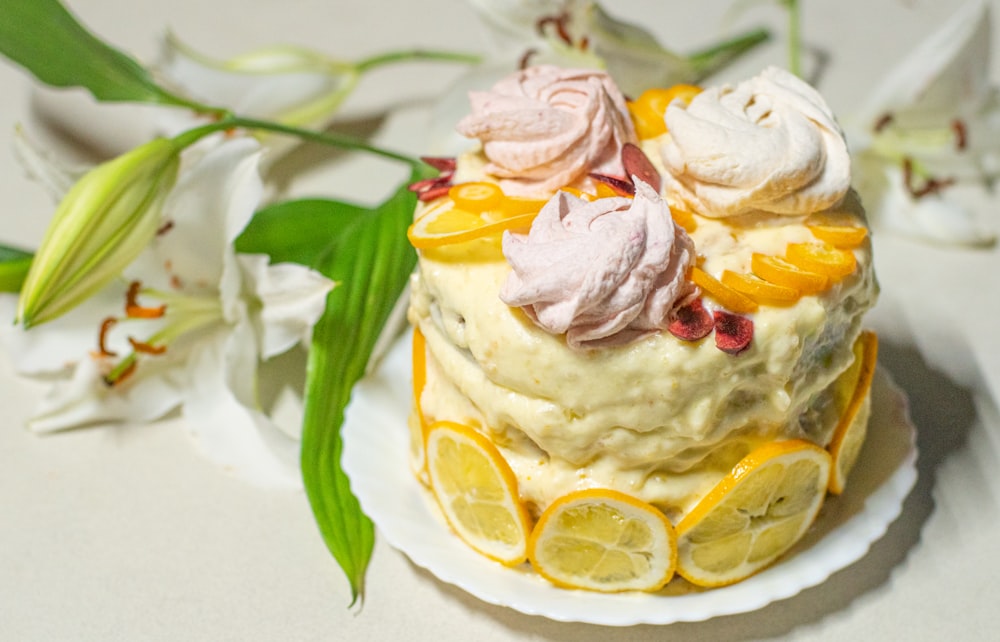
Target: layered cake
point(650, 305)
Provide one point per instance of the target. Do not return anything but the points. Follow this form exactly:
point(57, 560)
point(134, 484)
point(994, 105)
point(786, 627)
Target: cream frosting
point(768, 144)
point(605, 272)
point(544, 127)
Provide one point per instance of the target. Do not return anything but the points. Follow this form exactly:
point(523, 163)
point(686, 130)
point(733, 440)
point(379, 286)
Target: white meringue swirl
point(544, 127)
point(605, 272)
point(768, 144)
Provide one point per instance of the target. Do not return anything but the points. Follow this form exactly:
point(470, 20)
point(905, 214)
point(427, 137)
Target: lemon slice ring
point(758, 511)
point(852, 428)
point(446, 225)
point(603, 540)
point(477, 492)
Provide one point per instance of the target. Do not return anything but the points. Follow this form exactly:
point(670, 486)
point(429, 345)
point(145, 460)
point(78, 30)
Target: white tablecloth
point(125, 533)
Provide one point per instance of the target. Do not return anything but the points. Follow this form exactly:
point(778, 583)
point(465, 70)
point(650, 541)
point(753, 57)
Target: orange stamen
point(106, 326)
point(961, 134)
point(146, 348)
point(135, 311)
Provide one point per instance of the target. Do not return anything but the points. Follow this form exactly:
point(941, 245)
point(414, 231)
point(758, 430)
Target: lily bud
point(102, 224)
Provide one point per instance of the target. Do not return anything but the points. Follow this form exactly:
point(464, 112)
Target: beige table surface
point(125, 533)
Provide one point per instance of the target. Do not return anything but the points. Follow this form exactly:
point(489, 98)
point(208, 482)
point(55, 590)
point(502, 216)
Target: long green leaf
point(297, 231)
point(14, 266)
point(370, 261)
point(44, 38)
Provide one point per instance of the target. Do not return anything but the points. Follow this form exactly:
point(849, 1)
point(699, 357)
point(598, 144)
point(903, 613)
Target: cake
point(650, 305)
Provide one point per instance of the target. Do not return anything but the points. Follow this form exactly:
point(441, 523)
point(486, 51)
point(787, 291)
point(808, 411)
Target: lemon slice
point(476, 197)
point(603, 540)
point(477, 492)
point(445, 224)
point(851, 394)
point(756, 513)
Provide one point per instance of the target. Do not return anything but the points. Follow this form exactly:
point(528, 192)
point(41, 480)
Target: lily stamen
point(931, 184)
point(102, 337)
point(961, 134)
point(135, 311)
point(559, 21)
point(146, 348)
point(884, 121)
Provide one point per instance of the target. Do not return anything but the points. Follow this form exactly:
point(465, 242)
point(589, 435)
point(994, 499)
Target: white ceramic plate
point(376, 458)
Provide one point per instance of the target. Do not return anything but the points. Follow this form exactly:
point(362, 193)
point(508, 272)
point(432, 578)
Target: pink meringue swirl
point(605, 272)
point(545, 127)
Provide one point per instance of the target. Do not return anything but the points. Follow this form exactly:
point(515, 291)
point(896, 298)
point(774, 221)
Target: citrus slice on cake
point(851, 395)
point(780, 272)
point(754, 514)
point(477, 492)
point(821, 258)
point(842, 236)
point(444, 224)
point(603, 540)
point(761, 291)
point(726, 296)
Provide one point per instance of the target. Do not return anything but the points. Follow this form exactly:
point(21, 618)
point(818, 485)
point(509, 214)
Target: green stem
point(331, 139)
point(412, 55)
point(794, 37)
point(710, 60)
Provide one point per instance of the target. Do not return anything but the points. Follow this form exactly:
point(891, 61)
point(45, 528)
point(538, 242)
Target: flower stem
point(408, 55)
point(331, 139)
point(710, 60)
point(794, 37)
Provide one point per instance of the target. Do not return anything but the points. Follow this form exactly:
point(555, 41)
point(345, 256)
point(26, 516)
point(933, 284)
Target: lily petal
point(945, 74)
point(227, 428)
point(293, 299)
point(932, 218)
point(85, 399)
point(211, 204)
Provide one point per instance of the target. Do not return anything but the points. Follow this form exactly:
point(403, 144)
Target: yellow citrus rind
point(603, 540)
point(758, 511)
point(840, 236)
point(444, 224)
point(477, 492)
point(726, 296)
point(780, 272)
point(852, 396)
point(821, 258)
point(761, 291)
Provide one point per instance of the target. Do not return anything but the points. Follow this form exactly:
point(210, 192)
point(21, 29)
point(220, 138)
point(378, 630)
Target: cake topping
point(546, 127)
point(769, 144)
point(604, 272)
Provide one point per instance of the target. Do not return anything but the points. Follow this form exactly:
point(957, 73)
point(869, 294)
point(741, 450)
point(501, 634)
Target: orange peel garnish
point(822, 258)
point(725, 295)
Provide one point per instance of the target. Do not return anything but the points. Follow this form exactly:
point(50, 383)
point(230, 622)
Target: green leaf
point(370, 260)
point(44, 38)
point(297, 231)
point(14, 266)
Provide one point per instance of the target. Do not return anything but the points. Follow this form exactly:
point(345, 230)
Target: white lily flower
point(927, 144)
point(290, 85)
point(198, 321)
